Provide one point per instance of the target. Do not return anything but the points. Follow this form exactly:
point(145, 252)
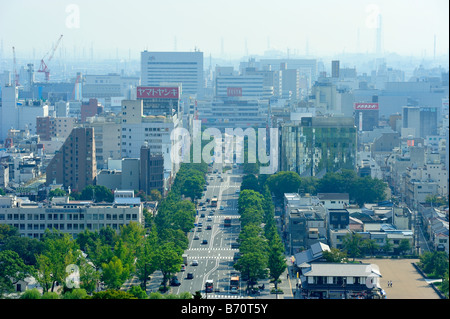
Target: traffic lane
point(204, 266)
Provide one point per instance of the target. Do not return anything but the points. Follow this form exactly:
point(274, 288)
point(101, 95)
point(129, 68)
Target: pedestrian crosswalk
point(224, 296)
point(213, 249)
point(211, 257)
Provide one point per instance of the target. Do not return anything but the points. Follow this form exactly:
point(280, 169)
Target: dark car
point(190, 275)
point(174, 281)
point(204, 242)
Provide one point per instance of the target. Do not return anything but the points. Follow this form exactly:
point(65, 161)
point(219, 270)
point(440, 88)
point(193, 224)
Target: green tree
point(98, 193)
point(12, 269)
point(31, 294)
point(334, 255)
point(44, 272)
point(50, 295)
point(403, 246)
point(138, 292)
point(276, 260)
point(352, 244)
point(114, 273)
point(387, 247)
point(61, 251)
point(89, 276)
point(27, 248)
point(250, 181)
point(155, 195)
point(252, 266)
point(112, 294)
point(168, 260)
point(193, 187)
point(284, 182)
point(7, 231)
point(77, 293)
point(369, 246)
point(434, 263)
point(58, 192)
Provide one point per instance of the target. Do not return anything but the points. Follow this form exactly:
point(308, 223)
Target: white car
point(194, 263)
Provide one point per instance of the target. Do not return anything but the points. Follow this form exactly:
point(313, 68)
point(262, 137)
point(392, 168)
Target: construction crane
point(16, 75)
point(43, 67)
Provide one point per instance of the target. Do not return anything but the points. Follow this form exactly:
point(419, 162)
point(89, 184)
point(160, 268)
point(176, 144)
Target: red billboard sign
point(157, 92)
point(234, 91)
point(366, 106)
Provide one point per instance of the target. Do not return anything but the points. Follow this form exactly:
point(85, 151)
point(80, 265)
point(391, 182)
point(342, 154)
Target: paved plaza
point(407, 282)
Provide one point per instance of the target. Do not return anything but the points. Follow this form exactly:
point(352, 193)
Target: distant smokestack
point(434, 49)
point(379, 28)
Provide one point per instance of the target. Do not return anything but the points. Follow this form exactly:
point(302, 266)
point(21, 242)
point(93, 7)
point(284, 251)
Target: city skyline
point(110, 29)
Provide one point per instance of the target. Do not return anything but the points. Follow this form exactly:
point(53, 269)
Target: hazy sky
point(235, 27)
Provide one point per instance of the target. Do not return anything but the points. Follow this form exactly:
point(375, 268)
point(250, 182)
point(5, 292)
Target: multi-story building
point(248, 85)
point(74, 165)
point(307, 68)
point(19, 114)
point(50, 127)
point(91, 108)
point(233, 112)
point(366, 116)
point(419, 121)
point(151, 171)
point(108, 131)
point(173, 67)
point(73, 217)
point(109, 86)
point(304, 221)
point(318, 145)
point(151, 130)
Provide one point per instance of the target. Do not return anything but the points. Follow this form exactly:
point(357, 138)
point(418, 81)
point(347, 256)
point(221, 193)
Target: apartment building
point(74, 165)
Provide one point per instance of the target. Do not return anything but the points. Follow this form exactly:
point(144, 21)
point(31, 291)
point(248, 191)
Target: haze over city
point(253, 151)
point(110, 29)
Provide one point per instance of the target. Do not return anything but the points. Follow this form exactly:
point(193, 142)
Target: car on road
point(196, 238)
point(211, 213)
point(208, 227)
point(209, 219)
point(204, 242)
point(203, 208)
point(222, 208)
point(194, 262)
point(174, 281)
point(190, 275)
point(202, 215)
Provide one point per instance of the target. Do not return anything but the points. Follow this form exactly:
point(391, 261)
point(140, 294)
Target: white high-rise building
point(160, 68)
point(19, 114)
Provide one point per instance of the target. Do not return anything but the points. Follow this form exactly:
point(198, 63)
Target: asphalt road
point(215, 258)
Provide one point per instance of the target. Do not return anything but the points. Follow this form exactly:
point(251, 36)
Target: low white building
point(32, 219)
